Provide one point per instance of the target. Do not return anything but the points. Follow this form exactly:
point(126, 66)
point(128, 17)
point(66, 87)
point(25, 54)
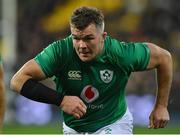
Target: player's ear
point(104, 35)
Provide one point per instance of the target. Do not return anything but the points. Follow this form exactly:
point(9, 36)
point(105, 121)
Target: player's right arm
point(26, 82)
point(30, 70)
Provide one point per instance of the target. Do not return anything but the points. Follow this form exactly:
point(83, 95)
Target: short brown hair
point(84, 16)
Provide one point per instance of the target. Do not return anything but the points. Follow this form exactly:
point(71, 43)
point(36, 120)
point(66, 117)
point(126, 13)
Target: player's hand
point(73, 105)
point(159, 117)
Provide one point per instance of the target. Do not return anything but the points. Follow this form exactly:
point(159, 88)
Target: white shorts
point(122, 126)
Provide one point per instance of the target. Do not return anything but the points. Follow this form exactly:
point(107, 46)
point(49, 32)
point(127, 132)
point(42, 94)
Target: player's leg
point(121, 126)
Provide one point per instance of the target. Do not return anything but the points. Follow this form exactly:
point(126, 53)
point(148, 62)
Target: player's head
point(87, 29)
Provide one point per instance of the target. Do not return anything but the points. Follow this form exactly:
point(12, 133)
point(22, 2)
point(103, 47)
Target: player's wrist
point(36, 91)
point(159, 105)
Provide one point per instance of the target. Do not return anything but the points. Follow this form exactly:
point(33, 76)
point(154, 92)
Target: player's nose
point(82, 44)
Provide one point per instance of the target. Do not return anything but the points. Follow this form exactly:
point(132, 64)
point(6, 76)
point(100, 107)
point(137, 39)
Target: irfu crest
point(106, 75)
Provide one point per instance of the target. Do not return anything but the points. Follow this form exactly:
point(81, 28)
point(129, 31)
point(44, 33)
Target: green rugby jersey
point(99, 83)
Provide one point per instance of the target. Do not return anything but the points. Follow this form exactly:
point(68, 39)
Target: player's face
point(88, 42)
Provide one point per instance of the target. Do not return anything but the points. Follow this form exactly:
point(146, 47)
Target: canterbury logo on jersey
point(74, 75)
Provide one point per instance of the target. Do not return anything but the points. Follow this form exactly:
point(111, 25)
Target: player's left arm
point(161, 60)
point(2, 97)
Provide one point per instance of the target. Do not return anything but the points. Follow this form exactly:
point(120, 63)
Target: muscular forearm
point(164, 79)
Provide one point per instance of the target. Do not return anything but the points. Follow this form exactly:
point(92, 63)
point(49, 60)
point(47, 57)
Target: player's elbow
point(14, 84)
point(166, 57)
point(18, 80)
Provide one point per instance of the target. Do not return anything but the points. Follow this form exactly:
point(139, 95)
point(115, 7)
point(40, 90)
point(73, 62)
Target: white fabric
point(122, 126)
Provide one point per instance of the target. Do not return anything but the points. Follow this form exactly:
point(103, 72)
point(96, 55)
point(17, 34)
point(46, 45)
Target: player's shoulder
point(114, 42)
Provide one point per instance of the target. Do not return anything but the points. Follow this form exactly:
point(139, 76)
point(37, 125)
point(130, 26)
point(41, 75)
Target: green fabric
point(100, 83)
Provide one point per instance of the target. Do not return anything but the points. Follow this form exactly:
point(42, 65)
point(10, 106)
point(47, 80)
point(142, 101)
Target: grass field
point(55, 129)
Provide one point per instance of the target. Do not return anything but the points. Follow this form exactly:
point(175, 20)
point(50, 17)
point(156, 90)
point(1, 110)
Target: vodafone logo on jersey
point(89, 94)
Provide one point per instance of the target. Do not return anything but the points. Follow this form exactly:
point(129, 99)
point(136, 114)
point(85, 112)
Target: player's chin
point(85, 57)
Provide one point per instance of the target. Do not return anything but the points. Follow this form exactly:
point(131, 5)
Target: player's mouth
point(84, 54)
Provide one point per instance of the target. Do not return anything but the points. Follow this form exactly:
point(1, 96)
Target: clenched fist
point(73, 105)
point(159, 117)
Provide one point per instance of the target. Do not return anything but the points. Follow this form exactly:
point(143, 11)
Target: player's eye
point(76, 38)
point(88, 38)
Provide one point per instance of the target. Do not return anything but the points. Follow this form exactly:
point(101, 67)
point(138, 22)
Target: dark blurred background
point(28, 26)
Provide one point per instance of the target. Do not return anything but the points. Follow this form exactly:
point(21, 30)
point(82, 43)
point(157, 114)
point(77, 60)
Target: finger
point(79, 112)
point(156, 124)
point(163, 123)
point(82, 109)
point(83, 105)
point(151, 125)
point(76, 115)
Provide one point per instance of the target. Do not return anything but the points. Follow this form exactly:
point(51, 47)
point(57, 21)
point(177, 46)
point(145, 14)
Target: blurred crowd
point(41, 22)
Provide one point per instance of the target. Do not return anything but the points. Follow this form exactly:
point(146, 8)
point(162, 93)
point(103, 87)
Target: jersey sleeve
point(53, 58)
point(132, 56)
point(141, 56)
